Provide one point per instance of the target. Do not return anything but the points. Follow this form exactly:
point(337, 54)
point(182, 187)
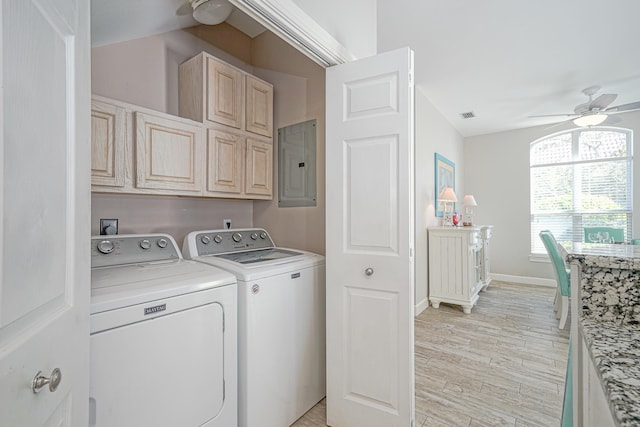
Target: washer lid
point(265, 268)
point(260, 255)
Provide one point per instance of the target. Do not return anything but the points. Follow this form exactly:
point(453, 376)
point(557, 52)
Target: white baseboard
point(421, 306)
point(538, 281)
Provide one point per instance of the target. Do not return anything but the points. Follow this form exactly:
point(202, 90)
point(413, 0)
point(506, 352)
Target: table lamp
point(468, 202)
point(448, 197)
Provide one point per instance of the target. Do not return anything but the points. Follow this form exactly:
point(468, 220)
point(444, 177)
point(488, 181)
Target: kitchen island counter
point(605, 307)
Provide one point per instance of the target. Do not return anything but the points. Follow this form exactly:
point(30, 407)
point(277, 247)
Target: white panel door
point(370, 283)
point(45, 160)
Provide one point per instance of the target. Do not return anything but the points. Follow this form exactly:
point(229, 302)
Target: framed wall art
point(445, 171)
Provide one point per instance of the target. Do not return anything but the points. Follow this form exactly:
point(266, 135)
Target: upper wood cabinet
point(225, 154)
point(169, 153)
point(108, 127)
point(136, 150)
point(214, 92)
point(259, 106)
point(210, 91)
point(259, 167)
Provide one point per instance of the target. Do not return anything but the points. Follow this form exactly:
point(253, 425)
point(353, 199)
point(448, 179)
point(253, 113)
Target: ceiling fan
point(596, 111)
point(208, 12)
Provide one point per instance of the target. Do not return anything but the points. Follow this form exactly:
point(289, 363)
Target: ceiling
point(503, 60)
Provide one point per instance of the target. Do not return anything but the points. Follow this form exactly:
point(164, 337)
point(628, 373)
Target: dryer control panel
point(214, 242)
point(132, 249)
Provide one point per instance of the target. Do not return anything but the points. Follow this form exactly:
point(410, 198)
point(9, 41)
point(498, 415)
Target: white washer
point(163, 336)
point(281, 322)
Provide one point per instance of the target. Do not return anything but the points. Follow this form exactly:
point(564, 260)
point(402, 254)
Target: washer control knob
point(263, 235)
point(145, 244)
point(237, 237)
point(205, 239)
point(162, 243)
point(217, 238)
point(106, 246)
point(254, 236)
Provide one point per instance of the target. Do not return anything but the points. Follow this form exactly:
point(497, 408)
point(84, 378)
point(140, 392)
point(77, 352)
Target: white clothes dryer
point(281, 322)
point(163, 336)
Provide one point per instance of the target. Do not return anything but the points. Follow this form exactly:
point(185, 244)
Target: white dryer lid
point(122, 286)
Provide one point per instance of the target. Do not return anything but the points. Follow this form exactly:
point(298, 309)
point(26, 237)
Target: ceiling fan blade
point(612, 120)
point(624, 107)
point(603, 101)
point(554, 115)
point(582, 108)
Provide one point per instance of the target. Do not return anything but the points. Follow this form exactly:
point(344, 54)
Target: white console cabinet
point(458, 265)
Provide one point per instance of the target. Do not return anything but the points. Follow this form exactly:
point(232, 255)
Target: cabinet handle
point(369, 271)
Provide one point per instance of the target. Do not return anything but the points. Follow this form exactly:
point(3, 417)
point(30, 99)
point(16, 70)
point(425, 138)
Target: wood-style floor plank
point(502, 365)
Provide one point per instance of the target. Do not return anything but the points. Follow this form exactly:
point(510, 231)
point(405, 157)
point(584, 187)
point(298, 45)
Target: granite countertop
point(603, 255)
point(615, 349)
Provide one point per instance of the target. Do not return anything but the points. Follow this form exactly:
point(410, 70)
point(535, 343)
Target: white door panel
point(44, 192)
point(365, 190)
point(370, 242)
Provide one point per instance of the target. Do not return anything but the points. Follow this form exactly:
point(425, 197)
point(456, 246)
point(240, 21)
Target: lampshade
point(590, 120)
point(469, 200)
point(211, 12)
point(448, 195)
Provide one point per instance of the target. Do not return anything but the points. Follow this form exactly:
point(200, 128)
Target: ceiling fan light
point(590, 120)
point(211, 12)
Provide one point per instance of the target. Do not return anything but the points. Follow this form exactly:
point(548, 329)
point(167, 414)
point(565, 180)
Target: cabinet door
point(168, 154)
point(259, 166)
point(223, 94)
point(225, 154)
point(107, 144)
point(259, 107)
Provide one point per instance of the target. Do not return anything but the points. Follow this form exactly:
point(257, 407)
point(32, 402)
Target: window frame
point(577, 215)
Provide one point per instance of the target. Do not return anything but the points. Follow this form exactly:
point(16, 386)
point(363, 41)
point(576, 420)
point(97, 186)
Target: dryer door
point(165, 371)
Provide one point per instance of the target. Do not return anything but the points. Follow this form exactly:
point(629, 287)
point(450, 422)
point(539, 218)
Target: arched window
point(580, 178)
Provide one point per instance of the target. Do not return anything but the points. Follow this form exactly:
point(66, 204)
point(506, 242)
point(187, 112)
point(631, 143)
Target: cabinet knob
point(369, 271)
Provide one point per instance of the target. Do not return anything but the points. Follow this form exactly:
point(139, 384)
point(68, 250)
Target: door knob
point(369, 271)
point(40, 381)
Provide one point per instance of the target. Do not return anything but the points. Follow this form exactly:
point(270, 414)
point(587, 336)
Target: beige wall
point(145, 72)
point(432, 134)
point(299, 96)
point(167, 214)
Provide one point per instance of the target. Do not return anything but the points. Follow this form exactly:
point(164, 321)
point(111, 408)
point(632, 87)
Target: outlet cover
point(226, 224)
point(108, 226)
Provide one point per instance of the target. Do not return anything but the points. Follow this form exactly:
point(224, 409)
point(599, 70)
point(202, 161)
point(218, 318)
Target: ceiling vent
point(468, 115)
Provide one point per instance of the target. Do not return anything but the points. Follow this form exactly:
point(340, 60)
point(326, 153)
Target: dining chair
point(593, 234)
point(562, 274)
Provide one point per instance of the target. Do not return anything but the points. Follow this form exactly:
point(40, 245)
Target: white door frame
point(285, 19)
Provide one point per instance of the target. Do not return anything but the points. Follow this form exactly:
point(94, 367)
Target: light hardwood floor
point(501, 365)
